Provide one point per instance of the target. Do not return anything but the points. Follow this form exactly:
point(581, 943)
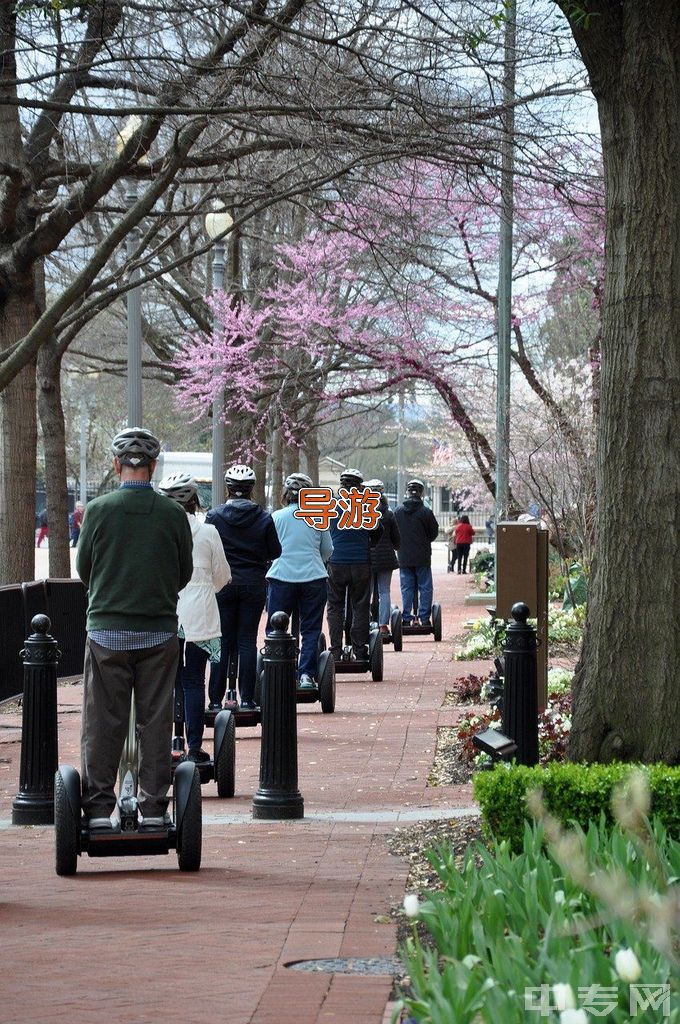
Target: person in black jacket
point(384, 560)
point(418, 527)
point(250, 543)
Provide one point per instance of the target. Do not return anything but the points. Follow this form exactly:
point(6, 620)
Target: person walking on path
point(134, 557)
point(76, 523)
point(464, 535)
point(197, 611)
point(384, 559)
point(298, 577)
point(349, 578)
point(43, 528)
point(418, 528)
point(250, 544)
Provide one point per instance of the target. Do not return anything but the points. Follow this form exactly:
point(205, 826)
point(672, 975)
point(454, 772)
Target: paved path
point(136, 941)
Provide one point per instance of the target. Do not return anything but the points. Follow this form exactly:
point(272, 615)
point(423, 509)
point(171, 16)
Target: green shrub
point(510, 930)
point(571, 792)
point(483, 561)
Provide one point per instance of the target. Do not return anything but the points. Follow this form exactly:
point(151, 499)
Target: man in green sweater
point(134, 556)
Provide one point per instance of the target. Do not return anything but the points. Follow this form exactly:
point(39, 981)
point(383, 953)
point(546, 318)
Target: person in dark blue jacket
point(251, 544)
point(349, 570)
point(418, 528)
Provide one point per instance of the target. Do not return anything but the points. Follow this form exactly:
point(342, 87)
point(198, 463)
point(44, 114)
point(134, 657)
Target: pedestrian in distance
point(418, 528)
point(200, 630)
point(451, 547)
point(489, 530)
point(43, 528)
point(251, 544)
point(298, 577)
point(349, 578)
point(464, 536)
point(384, 559)
point(134, 557)
point(76, 523)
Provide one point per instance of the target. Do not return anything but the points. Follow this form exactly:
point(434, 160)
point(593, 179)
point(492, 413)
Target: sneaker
point(306, 682)
point(214, 707)
point(384, 630)
point(249, 705)
point(158, 824)
point(100, 825)
point(198, 756)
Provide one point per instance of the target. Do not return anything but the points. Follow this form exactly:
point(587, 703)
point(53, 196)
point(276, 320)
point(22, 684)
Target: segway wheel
point(259, 677)
point(377, 659)
point(66, 826)
point(225, 761)
point(395, 630)
point(327, 682)
point(322, 645)
point(437, 622)
point(190, 831)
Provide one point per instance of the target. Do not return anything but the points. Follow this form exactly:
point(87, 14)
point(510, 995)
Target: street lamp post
point(217, 224)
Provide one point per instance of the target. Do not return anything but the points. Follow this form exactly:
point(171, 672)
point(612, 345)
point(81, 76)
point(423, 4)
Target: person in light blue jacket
point(297, 579)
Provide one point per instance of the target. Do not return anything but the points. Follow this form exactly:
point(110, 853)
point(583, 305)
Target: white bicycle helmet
point(351, 478)
point(415, 488)
point(240, 479)
point(296, 481)
point(180, 487)
point(375, 485)
point(136, 447)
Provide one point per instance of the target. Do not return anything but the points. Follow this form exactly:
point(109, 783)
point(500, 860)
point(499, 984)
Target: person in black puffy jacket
point(251, 544)
point(384, 560)
point(418, 527)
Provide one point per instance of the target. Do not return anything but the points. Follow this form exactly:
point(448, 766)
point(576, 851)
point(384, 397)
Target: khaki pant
point(109, 680)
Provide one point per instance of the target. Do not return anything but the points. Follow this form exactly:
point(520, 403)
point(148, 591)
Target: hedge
point(571, 792)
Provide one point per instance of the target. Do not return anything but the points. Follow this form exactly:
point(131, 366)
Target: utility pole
point(134, 327)
point(505, 269)
point(400, 449)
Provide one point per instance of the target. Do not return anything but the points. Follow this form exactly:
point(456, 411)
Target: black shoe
point(198, 756)
point(249, 705)
point(214, 707)
point(361, 653)
point(426, 622)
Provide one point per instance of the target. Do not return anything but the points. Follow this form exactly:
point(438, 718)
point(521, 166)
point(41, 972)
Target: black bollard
point(278, 795)
point(520, 698)
point(34, 803)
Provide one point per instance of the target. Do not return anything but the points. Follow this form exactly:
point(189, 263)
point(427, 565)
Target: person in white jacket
point(197, 610)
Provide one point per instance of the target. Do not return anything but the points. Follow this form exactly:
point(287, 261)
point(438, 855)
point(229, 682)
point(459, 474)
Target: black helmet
point(136, 447)
point(240, 480)
point(351, 478)
point(415, 488)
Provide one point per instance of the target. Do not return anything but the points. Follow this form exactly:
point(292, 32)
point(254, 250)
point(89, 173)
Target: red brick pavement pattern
point(136, 941)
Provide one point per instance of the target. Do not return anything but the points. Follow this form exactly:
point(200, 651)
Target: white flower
point(559, 896)
point(627, 965)
point(564, 997)
point(411, 905)
point(470, 961)
point(572, 1016)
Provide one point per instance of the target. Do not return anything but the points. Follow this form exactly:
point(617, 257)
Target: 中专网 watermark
point(599, 1000)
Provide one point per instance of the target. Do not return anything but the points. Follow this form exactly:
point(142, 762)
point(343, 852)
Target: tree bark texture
point(626, 690)
point(51, 415)
point(311, 454)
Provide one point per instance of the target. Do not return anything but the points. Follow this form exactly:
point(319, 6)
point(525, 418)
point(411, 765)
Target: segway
point(183, 834)
point(324, 691)
point(222, 765)
point(349, 662)
point(242, 717)
point(395, 635)
point(436, 619)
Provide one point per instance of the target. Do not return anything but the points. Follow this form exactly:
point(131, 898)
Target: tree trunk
point(311, 454)
point(277, 467)
point(18, 438)
point(291, 460)
point(54, 442)
point(626, 687)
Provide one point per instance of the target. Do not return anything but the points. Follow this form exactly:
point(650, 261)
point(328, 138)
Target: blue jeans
point(192, 678)
point(384, 580)
point(241, 606)
point(308, 600)
point(412, 578)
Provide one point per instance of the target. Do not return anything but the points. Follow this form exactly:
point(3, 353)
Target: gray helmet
point(374, 485)
point(415, 488)
point(136, 447)
point(351, 478)
point(296, 481)
point(180, 487)
point(240, 479)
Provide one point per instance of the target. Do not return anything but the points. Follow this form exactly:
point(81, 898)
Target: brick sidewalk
point(133, 940)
